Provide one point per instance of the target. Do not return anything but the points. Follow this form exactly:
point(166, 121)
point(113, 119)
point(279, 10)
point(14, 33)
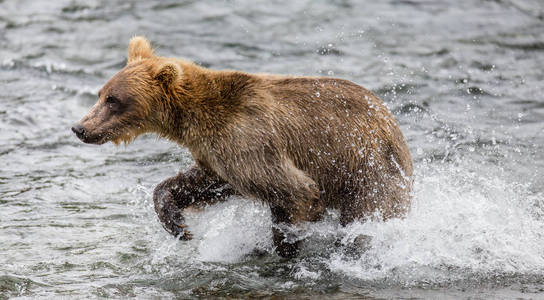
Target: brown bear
point(299, 144)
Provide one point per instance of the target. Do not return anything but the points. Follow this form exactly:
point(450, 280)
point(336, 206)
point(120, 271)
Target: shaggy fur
point(299, 144)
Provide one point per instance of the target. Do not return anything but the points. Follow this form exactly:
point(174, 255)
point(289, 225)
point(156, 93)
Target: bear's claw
point(179, 230)
point(187, 236)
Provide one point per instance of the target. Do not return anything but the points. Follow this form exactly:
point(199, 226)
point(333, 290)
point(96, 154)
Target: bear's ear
point(168, 74)
point(138, 49)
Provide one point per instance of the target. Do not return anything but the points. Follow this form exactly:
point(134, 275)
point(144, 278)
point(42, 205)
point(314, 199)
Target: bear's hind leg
point(192, 188)
point(383, 202)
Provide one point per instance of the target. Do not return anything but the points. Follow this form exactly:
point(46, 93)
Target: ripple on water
point(16, 286)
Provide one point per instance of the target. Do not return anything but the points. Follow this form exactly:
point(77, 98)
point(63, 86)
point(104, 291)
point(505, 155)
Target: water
point(464, 78)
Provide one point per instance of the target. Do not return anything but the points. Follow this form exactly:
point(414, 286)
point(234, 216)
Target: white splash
point(461, 223)
point(227, 231)
point(458, 221)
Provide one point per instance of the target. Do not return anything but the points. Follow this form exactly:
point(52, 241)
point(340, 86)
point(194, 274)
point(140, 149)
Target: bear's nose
point(79, 130)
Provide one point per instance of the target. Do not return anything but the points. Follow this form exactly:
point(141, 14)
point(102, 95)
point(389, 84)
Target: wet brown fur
point(299, 144)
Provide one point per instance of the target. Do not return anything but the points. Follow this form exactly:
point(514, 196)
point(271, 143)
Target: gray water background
point(464, 79)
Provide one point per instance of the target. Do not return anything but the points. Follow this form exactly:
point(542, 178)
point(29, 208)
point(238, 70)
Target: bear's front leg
point(191, 188)
point(292, 195)
point(293, 211)
point(284, 247)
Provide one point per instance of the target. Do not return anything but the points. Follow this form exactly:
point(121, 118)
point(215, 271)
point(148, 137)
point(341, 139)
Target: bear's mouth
point(106, 134)
point(102, 138)
point(96, 139)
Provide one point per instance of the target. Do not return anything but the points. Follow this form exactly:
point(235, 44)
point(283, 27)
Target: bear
point(300, 145)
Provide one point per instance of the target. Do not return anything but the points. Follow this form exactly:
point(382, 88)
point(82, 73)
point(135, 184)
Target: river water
point(464, 79)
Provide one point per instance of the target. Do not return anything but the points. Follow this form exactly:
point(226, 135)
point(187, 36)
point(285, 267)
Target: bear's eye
point(111, 99)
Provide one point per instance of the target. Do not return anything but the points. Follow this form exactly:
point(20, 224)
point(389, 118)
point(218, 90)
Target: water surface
point(464, 79)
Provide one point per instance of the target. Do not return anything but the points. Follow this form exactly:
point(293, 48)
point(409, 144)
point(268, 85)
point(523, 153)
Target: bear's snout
point(79, 130)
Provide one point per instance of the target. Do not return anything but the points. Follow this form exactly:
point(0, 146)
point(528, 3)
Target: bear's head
point(133, 101)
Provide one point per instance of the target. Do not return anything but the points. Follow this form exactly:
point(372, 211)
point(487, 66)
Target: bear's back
point(342, 135)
